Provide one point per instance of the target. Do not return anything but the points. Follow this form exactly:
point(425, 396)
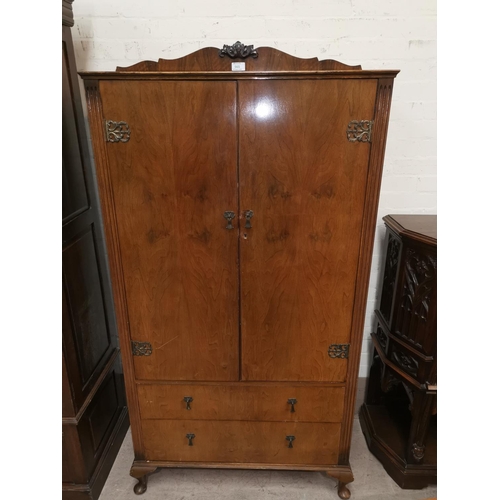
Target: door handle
point(290, 440)
point(229, 216)
point(188, 400)
point(293, 402)
point(248, 215)
point(190, 439)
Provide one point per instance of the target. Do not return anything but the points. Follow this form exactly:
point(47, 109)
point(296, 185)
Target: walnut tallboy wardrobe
point(239, 189)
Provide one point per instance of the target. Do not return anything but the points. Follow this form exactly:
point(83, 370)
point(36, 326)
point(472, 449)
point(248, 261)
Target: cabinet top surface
point(422, 227)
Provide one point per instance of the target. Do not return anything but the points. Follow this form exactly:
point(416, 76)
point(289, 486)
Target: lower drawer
point(241, 442)
point(241, 401)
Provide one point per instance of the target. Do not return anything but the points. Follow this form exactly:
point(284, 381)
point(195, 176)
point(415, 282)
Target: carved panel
point(390, 274)
point(381, 337)
point(239, 50)
point(418, 288)
point(418, 451)
point(74, 185)
point(388, 380)
point(67, 13)
point(406, 362)
point(84, 310)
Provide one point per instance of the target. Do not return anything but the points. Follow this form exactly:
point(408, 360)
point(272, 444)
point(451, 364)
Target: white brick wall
point(387, 34)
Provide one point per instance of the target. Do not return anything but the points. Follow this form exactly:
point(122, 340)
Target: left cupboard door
point(172, 181)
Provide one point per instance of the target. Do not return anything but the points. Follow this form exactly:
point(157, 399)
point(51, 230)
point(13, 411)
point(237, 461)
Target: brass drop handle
point(248, 215)
point(229, 216)
point(190, 439)
point(290, 439)
point(293, 402)
point(188, 400)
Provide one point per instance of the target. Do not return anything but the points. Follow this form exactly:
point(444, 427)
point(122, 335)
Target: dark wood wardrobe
point(94, 411)
point(399, 416)
point(239, 190)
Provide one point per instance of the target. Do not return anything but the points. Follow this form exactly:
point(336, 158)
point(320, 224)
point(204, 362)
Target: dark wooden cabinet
point(399, 415)
point(239, 211)
point(95, 416)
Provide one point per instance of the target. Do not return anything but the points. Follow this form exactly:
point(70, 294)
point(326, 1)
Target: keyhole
point(245, 236)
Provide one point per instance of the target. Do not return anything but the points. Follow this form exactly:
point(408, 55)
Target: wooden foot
point(141, 474)
point(141, 486)
point(344, 477)
point(343, 490)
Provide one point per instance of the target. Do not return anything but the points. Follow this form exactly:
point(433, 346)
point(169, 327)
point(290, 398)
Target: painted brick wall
point(387, 34)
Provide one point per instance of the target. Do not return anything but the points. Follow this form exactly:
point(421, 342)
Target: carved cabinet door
point(173, 168)
point(304, 181)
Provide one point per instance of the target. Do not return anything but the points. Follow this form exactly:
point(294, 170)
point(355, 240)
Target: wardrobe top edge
point(233, 75)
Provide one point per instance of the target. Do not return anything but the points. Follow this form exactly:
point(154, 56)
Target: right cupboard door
point(305, 183)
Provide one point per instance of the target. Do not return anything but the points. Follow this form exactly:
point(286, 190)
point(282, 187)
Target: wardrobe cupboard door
point(172, 182)
point(305, 183)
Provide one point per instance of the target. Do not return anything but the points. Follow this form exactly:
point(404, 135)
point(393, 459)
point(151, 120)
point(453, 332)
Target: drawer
point(241, 402)
point(241, 442)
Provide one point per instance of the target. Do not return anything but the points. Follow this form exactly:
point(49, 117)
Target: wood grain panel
point(208, 59)
point(171, 184)
point(376, 162)
point(305, 183)
point(68, 408)
point(84, 313)
point(229, 441)
point(241, 402)
point(74, 189)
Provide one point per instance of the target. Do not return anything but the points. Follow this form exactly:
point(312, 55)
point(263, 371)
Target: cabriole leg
point(343, 490)
point(343, 478)
point(141, 474)
point(141, 486)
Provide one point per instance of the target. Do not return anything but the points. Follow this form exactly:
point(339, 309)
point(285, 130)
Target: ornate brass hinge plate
point(339, 351)
point(116, 131)
point(360, 131)
point(141, 348)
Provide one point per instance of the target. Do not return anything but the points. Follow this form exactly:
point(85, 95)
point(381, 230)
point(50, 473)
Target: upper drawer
point(241, 402)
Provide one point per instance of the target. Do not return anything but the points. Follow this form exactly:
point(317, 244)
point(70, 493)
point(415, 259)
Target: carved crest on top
point(239, 50)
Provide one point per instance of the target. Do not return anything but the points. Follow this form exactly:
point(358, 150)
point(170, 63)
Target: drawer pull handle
point(293, 402)
point(290, 439)
point(188, 400)
point(190, 439)
point(229, 216)
point(248, 216)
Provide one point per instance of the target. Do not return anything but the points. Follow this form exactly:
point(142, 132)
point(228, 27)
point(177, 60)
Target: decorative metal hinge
point(339, 351)
point(360, 131)
point(116, 131)
point(141, 348)
point(239, 50)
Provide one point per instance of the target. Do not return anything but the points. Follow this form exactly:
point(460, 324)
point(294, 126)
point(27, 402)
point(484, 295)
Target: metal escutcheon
point(248, 215)
point(229, 216)
point(190, 439)
point(290, 440)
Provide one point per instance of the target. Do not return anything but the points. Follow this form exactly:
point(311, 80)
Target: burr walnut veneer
point(240, 208)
